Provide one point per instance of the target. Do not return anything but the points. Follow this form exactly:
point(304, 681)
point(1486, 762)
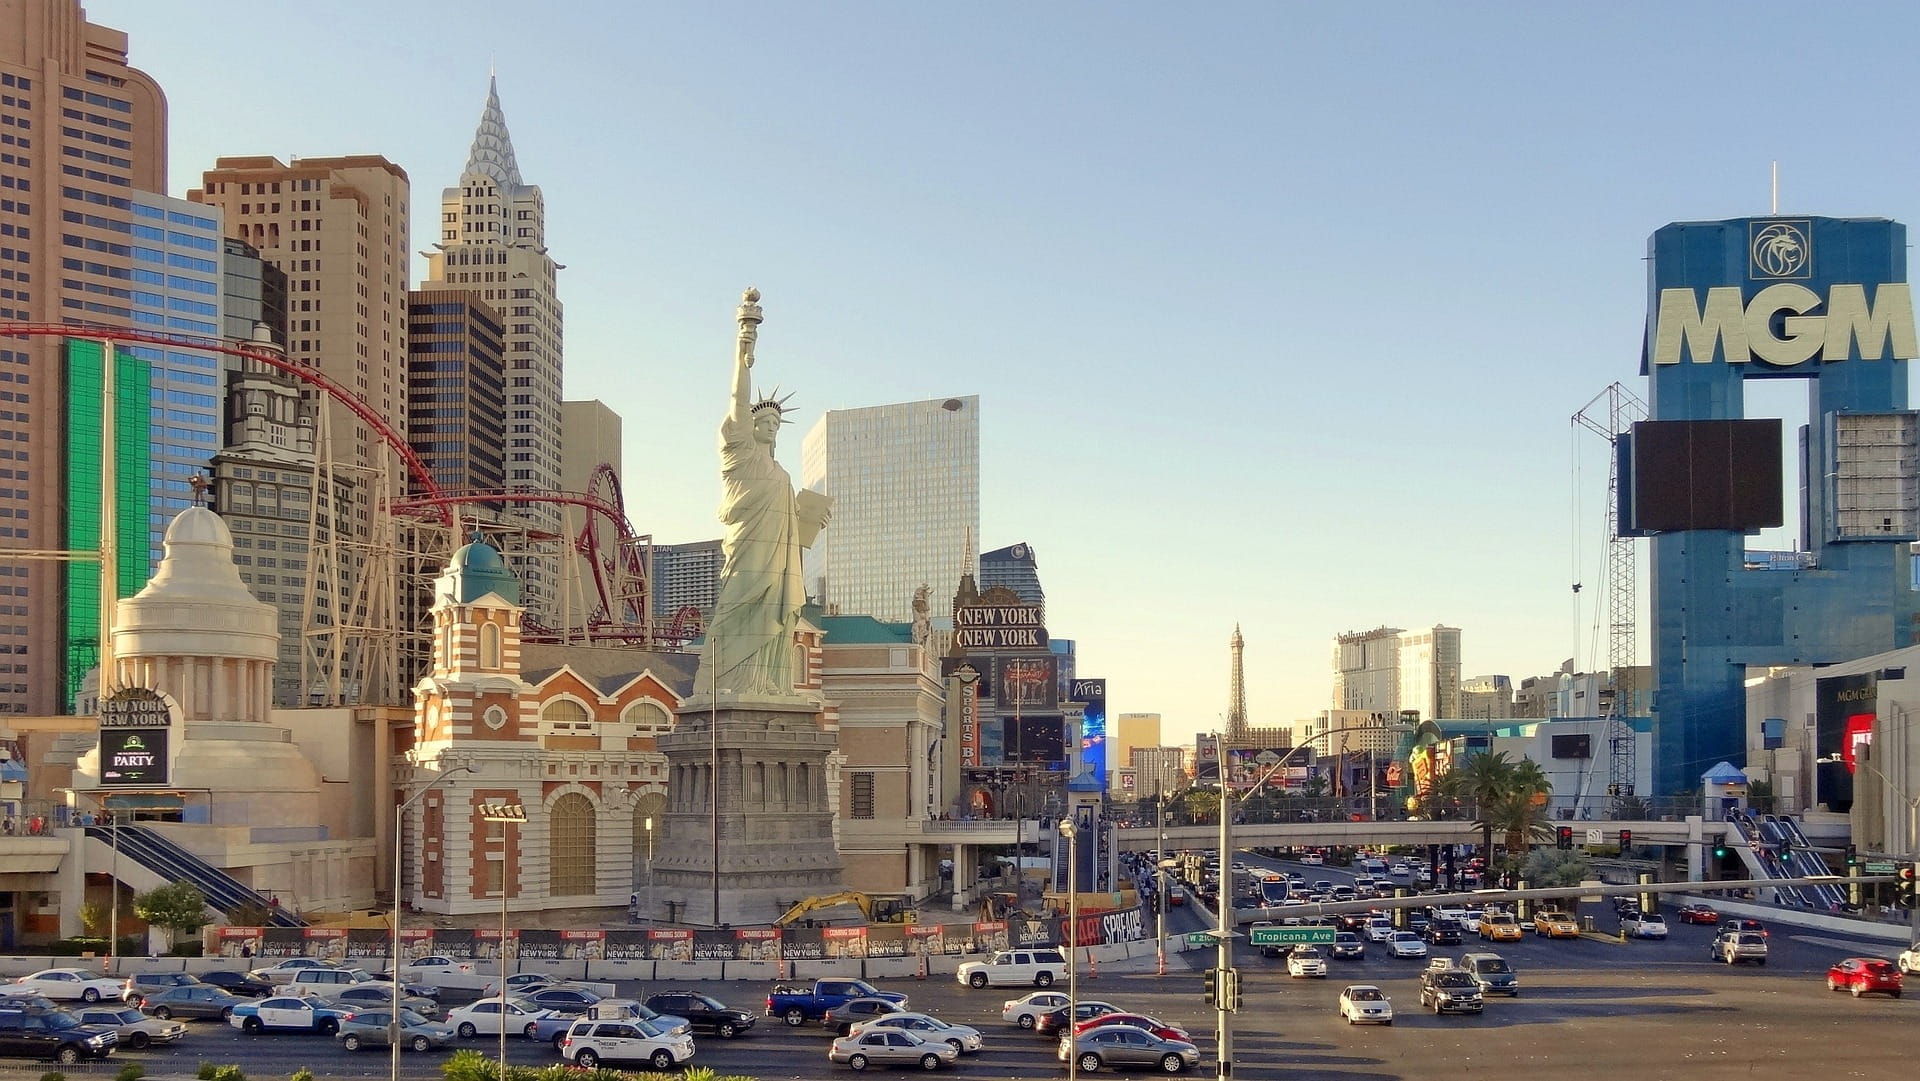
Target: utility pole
point(1226, 987)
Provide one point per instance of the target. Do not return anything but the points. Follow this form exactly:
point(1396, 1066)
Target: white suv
point(1037, 967)
point(1734, 947)
point(590, 1042)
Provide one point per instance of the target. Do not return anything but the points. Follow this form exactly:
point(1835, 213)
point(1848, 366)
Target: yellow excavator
point(1000, 905)
point(875, 907)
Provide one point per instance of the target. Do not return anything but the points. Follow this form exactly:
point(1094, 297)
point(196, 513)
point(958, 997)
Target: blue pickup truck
point(796, 1004)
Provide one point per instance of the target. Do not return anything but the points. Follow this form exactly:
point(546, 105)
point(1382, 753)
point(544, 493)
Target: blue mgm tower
point(1824, 300)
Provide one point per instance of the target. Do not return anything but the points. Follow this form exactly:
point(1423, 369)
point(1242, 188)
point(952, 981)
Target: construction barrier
point(754, 971)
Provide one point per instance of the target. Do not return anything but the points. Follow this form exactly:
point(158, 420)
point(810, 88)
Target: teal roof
point(480, 569)
point(864, 631)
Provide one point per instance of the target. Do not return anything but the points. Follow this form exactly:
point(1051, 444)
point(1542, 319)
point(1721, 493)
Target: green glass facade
point(133, 392)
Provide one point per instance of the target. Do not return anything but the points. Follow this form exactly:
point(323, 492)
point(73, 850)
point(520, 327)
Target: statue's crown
point(774, 402)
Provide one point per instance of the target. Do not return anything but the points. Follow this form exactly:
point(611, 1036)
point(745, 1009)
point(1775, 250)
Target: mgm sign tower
point(1824, 300)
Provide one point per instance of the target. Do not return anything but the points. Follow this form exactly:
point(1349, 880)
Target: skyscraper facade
point(80, 133)
point(1366, 670)
point(686, 576)
point(337, 227)
point(905, 482)
point(493, 240)
point(456, 388)
point(1430, 672)
point(1015, 567)
point(589, 438)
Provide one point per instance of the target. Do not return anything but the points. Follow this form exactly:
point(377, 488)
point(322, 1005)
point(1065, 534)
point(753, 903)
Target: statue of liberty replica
point(748, 830)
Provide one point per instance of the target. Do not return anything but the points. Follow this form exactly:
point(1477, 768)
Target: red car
point(1865, 976)
point(1137, 1020)
point(1698, 914)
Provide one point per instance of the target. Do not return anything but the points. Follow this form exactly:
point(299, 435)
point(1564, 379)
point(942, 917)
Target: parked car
point(880, 1048)
point(68, 985)
point(244, 984)
point(1055, 1021)
point(1697, 913)
point(489, 1015)
point(194, 1001)
point(288, 1013)
point(369, 1029)
point(843, 1017)
point(378, 995)
point(1865, 976)
point(1135, 1020)
point(1121, 1047)
point(592, 1041)
point(964, 1038)
point(1450, 990)
point(704, 1012)
point(1364, 1003)
point(1038, 967)
point(135, 1029)
point(1734, 947)
point(1026, 1011)
point(53, 1034)
point(141, 984)
point(1644, 925)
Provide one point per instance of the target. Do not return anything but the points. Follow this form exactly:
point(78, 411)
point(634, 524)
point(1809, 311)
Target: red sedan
point(1698, 914)
point(1137, 1020)
point(1865, 976)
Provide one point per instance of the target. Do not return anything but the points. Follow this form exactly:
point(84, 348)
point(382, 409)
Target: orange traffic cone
point(1093, 965)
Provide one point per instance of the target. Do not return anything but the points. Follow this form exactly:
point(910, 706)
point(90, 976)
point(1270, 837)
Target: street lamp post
point(1073, 944)
point(399, 905)
point(649, 869)
point(1160, 881)
point(505, 814)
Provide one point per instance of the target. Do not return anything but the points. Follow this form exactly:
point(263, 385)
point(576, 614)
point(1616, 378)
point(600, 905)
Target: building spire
point(1237, 694)
point(492, 153)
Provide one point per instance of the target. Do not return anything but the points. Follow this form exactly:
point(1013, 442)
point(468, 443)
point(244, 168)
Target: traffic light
point(1853, 856)
point(1563, 837)
point(1626, 839)
point(1719, 850)
point(1903, 888)
point(1212, 983)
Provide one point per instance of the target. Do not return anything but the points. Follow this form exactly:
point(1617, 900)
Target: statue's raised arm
point(749, 316)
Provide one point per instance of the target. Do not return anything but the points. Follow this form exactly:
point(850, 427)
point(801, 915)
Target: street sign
point(1880, 867)
point(1593, 836)
point(1291, 936)
point(1200, 938)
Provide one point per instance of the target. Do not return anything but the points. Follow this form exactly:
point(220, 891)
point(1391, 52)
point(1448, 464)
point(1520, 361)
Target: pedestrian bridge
point(1686, 831)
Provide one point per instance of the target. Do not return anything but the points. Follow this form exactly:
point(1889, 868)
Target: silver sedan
point(891, 1048)
point(964, 1038)
point(1121, 1046)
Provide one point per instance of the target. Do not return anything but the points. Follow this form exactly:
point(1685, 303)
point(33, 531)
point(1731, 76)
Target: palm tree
point(1483, 780)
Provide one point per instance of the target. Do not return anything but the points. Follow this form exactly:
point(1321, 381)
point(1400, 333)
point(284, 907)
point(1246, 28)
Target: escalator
point(1756, 851)
point(1799, 855)
point(175, 864)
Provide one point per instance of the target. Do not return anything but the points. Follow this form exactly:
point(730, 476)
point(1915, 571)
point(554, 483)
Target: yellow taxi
point(1500, 927)
point(1554, 924)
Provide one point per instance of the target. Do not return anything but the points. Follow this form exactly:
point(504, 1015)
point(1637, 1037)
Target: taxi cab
point(1500, 927)
point(1555, 924)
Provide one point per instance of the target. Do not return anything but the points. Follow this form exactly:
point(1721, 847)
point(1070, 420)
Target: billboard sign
point(1247, 765)
point(1206, 759)
point(134, 724)
point(1093, 727)
point(983, 627)
point(1026, 683)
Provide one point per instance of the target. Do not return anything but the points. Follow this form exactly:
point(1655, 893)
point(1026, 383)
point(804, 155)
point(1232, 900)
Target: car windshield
point(408, 1017)
point(59, 1020)
point(127, 1017)
point(1307, 953)
point(709, 1003)
point(1367, 994)
point(650, 1027)
point(1494, 966)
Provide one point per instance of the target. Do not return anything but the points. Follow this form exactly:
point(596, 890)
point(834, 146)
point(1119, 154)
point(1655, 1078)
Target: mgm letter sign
point(133, 739)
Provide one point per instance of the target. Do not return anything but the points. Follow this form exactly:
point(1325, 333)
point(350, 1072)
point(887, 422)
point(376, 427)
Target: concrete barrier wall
point(893, 968)
point(829, 968)
point(23, 966)
point(671, 971)
point(946, 964)
point(130, 965)
point(1888, 932)
point(757, 971)
point(620, 970)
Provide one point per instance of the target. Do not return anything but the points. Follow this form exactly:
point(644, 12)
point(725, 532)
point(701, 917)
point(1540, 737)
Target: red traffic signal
point(1564, 837)
point(1626, 838)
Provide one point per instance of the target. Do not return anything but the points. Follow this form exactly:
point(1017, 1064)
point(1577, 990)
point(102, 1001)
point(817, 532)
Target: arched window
point(571, 854)
point(564, 716)
point(648, 718)
point(490, 645)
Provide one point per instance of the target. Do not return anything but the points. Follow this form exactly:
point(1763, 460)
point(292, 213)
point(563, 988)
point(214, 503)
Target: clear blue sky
point(1278, 312)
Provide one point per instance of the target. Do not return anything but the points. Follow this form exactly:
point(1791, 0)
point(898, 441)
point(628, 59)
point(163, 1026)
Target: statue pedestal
point(775, 838)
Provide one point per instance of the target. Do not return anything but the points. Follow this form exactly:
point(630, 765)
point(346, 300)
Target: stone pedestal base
point(775, 837)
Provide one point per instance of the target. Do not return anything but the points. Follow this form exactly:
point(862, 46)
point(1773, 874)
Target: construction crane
point(1622, 409)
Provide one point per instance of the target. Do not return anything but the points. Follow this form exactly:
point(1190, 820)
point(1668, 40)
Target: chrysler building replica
point(493, 242)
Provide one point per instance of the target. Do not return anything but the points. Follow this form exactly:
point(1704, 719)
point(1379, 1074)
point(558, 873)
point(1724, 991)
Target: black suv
point(40, 1033)
point(704, 1012)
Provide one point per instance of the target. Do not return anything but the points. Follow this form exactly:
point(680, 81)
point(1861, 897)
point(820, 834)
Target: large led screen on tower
point(1039, 742)
point(1703, 474)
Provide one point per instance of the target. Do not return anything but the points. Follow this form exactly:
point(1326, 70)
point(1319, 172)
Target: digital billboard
point(1247, 765)
point(1844, 709)
point(134, 724)
point(1026, 683)
point(1092, 693)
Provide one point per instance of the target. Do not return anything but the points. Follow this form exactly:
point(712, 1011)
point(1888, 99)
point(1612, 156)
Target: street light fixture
point(1072, 834)
point(399, 905)
point(506, 814)
point(649, 870)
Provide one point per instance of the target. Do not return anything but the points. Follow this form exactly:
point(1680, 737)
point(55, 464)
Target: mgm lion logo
point(1782, 249)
